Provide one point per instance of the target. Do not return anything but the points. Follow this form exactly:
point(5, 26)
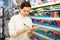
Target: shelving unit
point(43, 5)
point(46, 18)
point(47, 26)
point(45, 10)
point(43, 36)
point(46, 37)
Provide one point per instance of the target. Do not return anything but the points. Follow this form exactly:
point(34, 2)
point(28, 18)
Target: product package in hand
point(35, 27)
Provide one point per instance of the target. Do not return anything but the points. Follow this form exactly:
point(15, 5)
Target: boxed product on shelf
point(40, 2)
point(38, 20)
point(46, 13)
point(42, 38)
point(52, 14)
point(57, 1)
point(51, 1)
point(36, 2)
point(32, 2)
point(35, 37)
point(58, 22)
point(59, 13)
point(44, 1)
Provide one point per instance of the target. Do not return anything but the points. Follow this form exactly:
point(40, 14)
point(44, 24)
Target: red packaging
point(58, 22)
point(52, 14)
point(55, 34)
point(38, 20)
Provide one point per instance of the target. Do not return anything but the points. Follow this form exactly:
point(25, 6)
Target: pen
point(25, 24)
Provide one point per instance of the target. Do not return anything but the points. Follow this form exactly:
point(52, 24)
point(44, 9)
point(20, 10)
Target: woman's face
point(25, 11)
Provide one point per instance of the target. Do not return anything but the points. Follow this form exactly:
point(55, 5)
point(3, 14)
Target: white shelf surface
point(45, 18)
point(46, 4)
point(43, 36)
point(45, 10)
point(52, 28)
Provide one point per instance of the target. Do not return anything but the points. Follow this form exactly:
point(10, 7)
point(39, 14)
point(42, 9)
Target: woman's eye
point(24, 10)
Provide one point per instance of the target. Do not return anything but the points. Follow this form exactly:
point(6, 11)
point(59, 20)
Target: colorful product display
point(55, 34)
point(50, 22)
point(35, 37)
point(51, 1)
point(38, 20)
point(45, 31)
point(46, 12)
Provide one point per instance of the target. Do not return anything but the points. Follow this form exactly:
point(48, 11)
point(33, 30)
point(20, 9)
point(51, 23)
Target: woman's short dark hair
point(25, 4)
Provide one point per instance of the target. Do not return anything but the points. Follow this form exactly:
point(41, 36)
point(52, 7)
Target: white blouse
point(16, 23)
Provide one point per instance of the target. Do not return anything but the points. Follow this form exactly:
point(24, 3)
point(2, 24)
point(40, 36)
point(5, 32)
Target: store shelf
point(43, 36)
point(46, 10)
point(49, 27)
point(46, 36)
point(45, 18)
point(46, 4)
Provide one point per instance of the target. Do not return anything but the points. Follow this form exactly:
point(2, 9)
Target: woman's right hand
point(26, 28)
